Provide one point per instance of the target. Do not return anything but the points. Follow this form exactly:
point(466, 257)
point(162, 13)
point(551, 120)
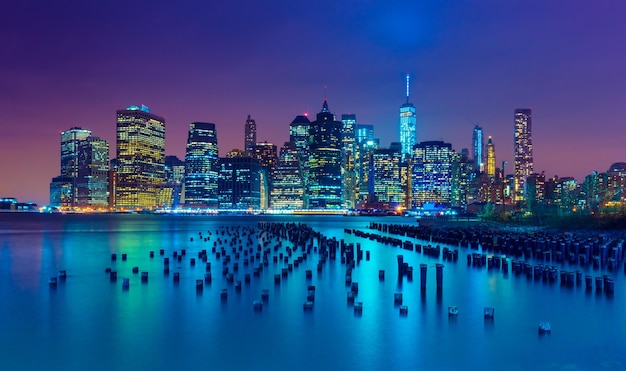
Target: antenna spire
point(407, 87)
point(325, 92)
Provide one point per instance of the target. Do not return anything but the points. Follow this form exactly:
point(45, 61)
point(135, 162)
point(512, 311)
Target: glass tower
point(432, 172)
point(287, 188)
point(387, 180)
point(201, 166)
point(325, 184)
point(478, 144)
point(408, 125)
point(348, 158)
point(491, 159)
point(250, 136)
point(140, 158)
point(523, 151)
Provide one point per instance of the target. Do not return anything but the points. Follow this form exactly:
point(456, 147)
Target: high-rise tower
point(325, 185)
point(491, 159)
point(408, 125)
point(201, 166)
point(478, 144)
point(250, 137)
point(523, 150)
point(140, 158)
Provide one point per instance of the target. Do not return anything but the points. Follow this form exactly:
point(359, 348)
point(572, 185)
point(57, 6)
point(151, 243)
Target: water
point(87, 322)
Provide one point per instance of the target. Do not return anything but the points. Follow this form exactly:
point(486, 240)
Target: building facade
point(325, 186)
point(240, 184)
point(287, 190)
point(432, 173)
point(387, 164)
point(523, 151)
point(201, 166)
point(478, 144)
point(140, 159)
point(249, 136)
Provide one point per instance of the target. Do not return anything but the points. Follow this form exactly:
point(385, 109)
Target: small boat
point(453, 310)
point(544, 327)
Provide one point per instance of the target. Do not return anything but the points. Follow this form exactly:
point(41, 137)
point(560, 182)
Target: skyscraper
point(201, 166)
point(523, 150)
point(83, 182)
point(348, 158)
point(140, 157)
point(240, 185)
point(325, 183)
point(299, 136)
point(387, 180)
point(175, 178)
point(70, 141)
point(92, 182)
point(432, 172)
point(287, 187)
point(250, 136)
point(408, 124)
point(491, 159)
point(478, 144)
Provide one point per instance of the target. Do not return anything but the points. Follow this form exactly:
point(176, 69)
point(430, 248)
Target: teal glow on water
point(89, 323)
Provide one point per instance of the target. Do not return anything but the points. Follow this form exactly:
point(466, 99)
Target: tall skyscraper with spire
point(408, 124)
point(523, 151)
point(250, 137)
point(325, 183)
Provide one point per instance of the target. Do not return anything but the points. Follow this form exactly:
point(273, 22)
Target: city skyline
point(568, 71)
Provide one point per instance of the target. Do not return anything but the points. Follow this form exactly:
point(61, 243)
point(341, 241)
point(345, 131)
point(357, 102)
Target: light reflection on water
point(89, 322)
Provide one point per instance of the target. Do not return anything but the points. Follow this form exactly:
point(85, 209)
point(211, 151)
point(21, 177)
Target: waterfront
point(88, 322)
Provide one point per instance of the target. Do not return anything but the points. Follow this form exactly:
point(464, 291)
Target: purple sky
point(74, 63)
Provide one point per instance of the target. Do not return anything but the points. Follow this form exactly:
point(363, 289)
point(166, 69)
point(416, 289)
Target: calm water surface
point(90, 323)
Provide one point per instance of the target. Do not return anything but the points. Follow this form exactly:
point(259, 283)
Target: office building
point(140, 159)
point(387, 162)
point(201, 166)
point(432, 173)
point(523, 151)
point(240, 184)
point(477, 146)
point(348, 159)
point(491, 159)
point(287, 191)
point(250, 136)
point(325, 186)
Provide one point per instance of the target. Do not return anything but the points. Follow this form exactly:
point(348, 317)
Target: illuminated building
point(365, 170)
point(463, 172)
point(287, 187)
point(235, 153)
point(84, 178)
point(140, 159)
point(92, 182)
point(478, 144)
point(432, 172)
point(240, 183)
point(364, 133)
point(201, 166)
point(348, 155)
point(266, 153)
point(62, 192)
point(325, 183)
point(250, 136)
point(175, 178)
point(491, 159)
point(523, 150)
point(386, 164)
point(70, 141)
point(299, 136)
point(535, 190)
point(408, 125)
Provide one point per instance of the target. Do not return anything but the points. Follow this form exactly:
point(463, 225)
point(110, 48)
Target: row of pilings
point(539, 271)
